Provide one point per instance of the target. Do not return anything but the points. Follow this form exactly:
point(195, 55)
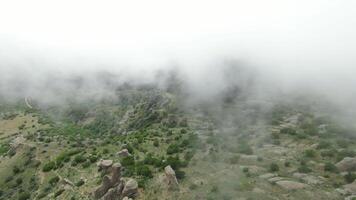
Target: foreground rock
point(171, 178)
point(114, 187)
point(350, 188)
point(291, 185)
point(347, 164)
point(131, 189)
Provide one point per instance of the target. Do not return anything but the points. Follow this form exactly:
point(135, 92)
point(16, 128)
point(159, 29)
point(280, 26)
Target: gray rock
point(347, 164)
point(130, 189)
point(171, 178)
point(103, 188)
point(291, 185)
point(124, 153)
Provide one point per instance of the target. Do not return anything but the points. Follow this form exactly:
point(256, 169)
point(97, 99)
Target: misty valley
point(146, 142)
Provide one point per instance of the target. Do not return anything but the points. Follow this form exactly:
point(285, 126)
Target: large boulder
point(347, 164)
point(130, 189)
point(104, 164)
point(103, 188)
point(116, 174)
point(171, 178)
point(111, 195)
point(291, 185)
point(350, 188)
point(124, 153)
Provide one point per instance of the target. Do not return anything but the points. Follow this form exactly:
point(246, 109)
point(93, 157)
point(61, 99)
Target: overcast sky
point(306, 41)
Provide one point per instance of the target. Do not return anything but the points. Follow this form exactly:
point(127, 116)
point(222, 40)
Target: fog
point(284, 46)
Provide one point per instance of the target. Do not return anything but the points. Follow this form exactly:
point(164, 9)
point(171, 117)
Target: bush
point(59, 192)
point(79, 183)
point(16, 170)
point(309, 153)
point(143, 170)
point(156, 143)
point(128, 161)
point(287, 164)
point(19, 181)
point(172, 149)
point(324, 145)
point(330, 167)
point(234, 159)
point(304, 169)
point(289, 131)
point(48, 166)
point(24, 196)
point(274, 167)
point(79, 159)
point(180, 174)
point(350, 177)
point(54, 180)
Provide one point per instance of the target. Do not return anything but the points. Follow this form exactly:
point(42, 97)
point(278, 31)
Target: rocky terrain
point(145, 145)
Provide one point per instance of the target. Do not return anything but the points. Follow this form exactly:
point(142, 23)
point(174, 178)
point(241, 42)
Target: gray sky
point(300, 42)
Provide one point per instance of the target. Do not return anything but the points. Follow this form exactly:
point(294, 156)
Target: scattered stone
point(291, 185)
point(171, 178)
point(124, 153)
point(347, 164)
point(130, 189)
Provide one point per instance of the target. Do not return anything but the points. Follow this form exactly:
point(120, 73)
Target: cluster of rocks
point(114, 187)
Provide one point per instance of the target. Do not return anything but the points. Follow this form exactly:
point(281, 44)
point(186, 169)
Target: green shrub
point(180, 174)
point(289, 131)
point(48, 166)
point(310, 153)
point(79, 183)
point(143, 170)
point(304, 169)
point(58, 193)
point(274, 167)
point(234, 159)
point(330, 167)
point(54, 180)
point(350, 177)
point(16, 170)
point(128, 161)
point(172, 149)
point(24, 196)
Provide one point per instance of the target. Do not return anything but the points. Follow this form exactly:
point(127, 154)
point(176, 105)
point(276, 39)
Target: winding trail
point(27, 103)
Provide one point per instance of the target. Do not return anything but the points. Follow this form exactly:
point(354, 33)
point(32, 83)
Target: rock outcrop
point(124, 153)
point(103, 188)
point(291, 185)
point(171, 178)
point(114, 187)
point(130, 189)
point(347, 164)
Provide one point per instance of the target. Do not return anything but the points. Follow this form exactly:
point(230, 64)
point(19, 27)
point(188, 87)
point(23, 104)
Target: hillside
point(237, 150)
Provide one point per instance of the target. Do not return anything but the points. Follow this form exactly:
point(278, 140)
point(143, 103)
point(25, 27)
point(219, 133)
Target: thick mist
point(84, 49)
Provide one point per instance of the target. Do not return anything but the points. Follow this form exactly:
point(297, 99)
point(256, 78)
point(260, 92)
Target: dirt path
point(27, 103)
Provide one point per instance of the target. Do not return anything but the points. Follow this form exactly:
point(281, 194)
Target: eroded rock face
point(171, 178)
point(103, 188)
point(130, 189)
point(347, 164)
point(350, 188)
point(104, 164)
point(111, 195)
point(291, 185)
point(116, 174)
